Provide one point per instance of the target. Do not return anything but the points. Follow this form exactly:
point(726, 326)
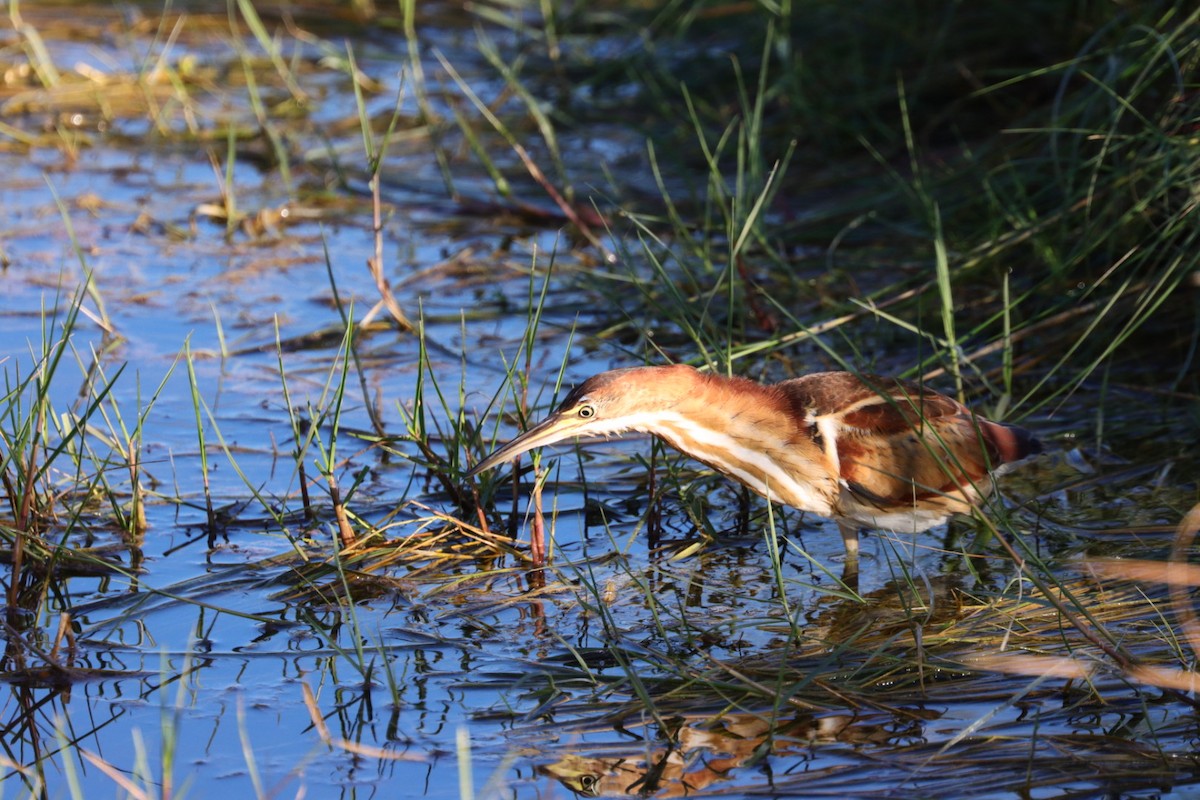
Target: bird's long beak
point(553, 428)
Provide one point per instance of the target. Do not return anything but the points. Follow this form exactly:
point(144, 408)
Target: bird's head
point(605, 404)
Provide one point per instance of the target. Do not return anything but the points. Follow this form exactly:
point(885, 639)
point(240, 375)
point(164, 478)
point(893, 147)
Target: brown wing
point(899, 444)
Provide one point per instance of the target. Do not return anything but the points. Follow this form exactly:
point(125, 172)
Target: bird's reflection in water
point(701, 752)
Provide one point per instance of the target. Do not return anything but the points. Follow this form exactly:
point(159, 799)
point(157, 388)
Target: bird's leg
point(849, 541)
point(654, 511)
point(743, 523)
point(850, 567)
point(975, 554)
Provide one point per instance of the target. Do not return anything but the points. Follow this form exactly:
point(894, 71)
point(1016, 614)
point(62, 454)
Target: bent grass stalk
point(375, 153)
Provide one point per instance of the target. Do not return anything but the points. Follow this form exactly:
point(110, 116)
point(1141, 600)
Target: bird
point(863, 450)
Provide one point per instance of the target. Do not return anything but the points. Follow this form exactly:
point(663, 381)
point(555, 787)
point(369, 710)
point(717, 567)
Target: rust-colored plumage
point(864, 450)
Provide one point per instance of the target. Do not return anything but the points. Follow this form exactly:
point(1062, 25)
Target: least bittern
point(866, 451)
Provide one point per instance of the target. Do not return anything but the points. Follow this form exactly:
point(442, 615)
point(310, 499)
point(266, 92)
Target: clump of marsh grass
point(56, 463)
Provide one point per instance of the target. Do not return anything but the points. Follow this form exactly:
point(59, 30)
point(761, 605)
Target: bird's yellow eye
point(586, 412)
